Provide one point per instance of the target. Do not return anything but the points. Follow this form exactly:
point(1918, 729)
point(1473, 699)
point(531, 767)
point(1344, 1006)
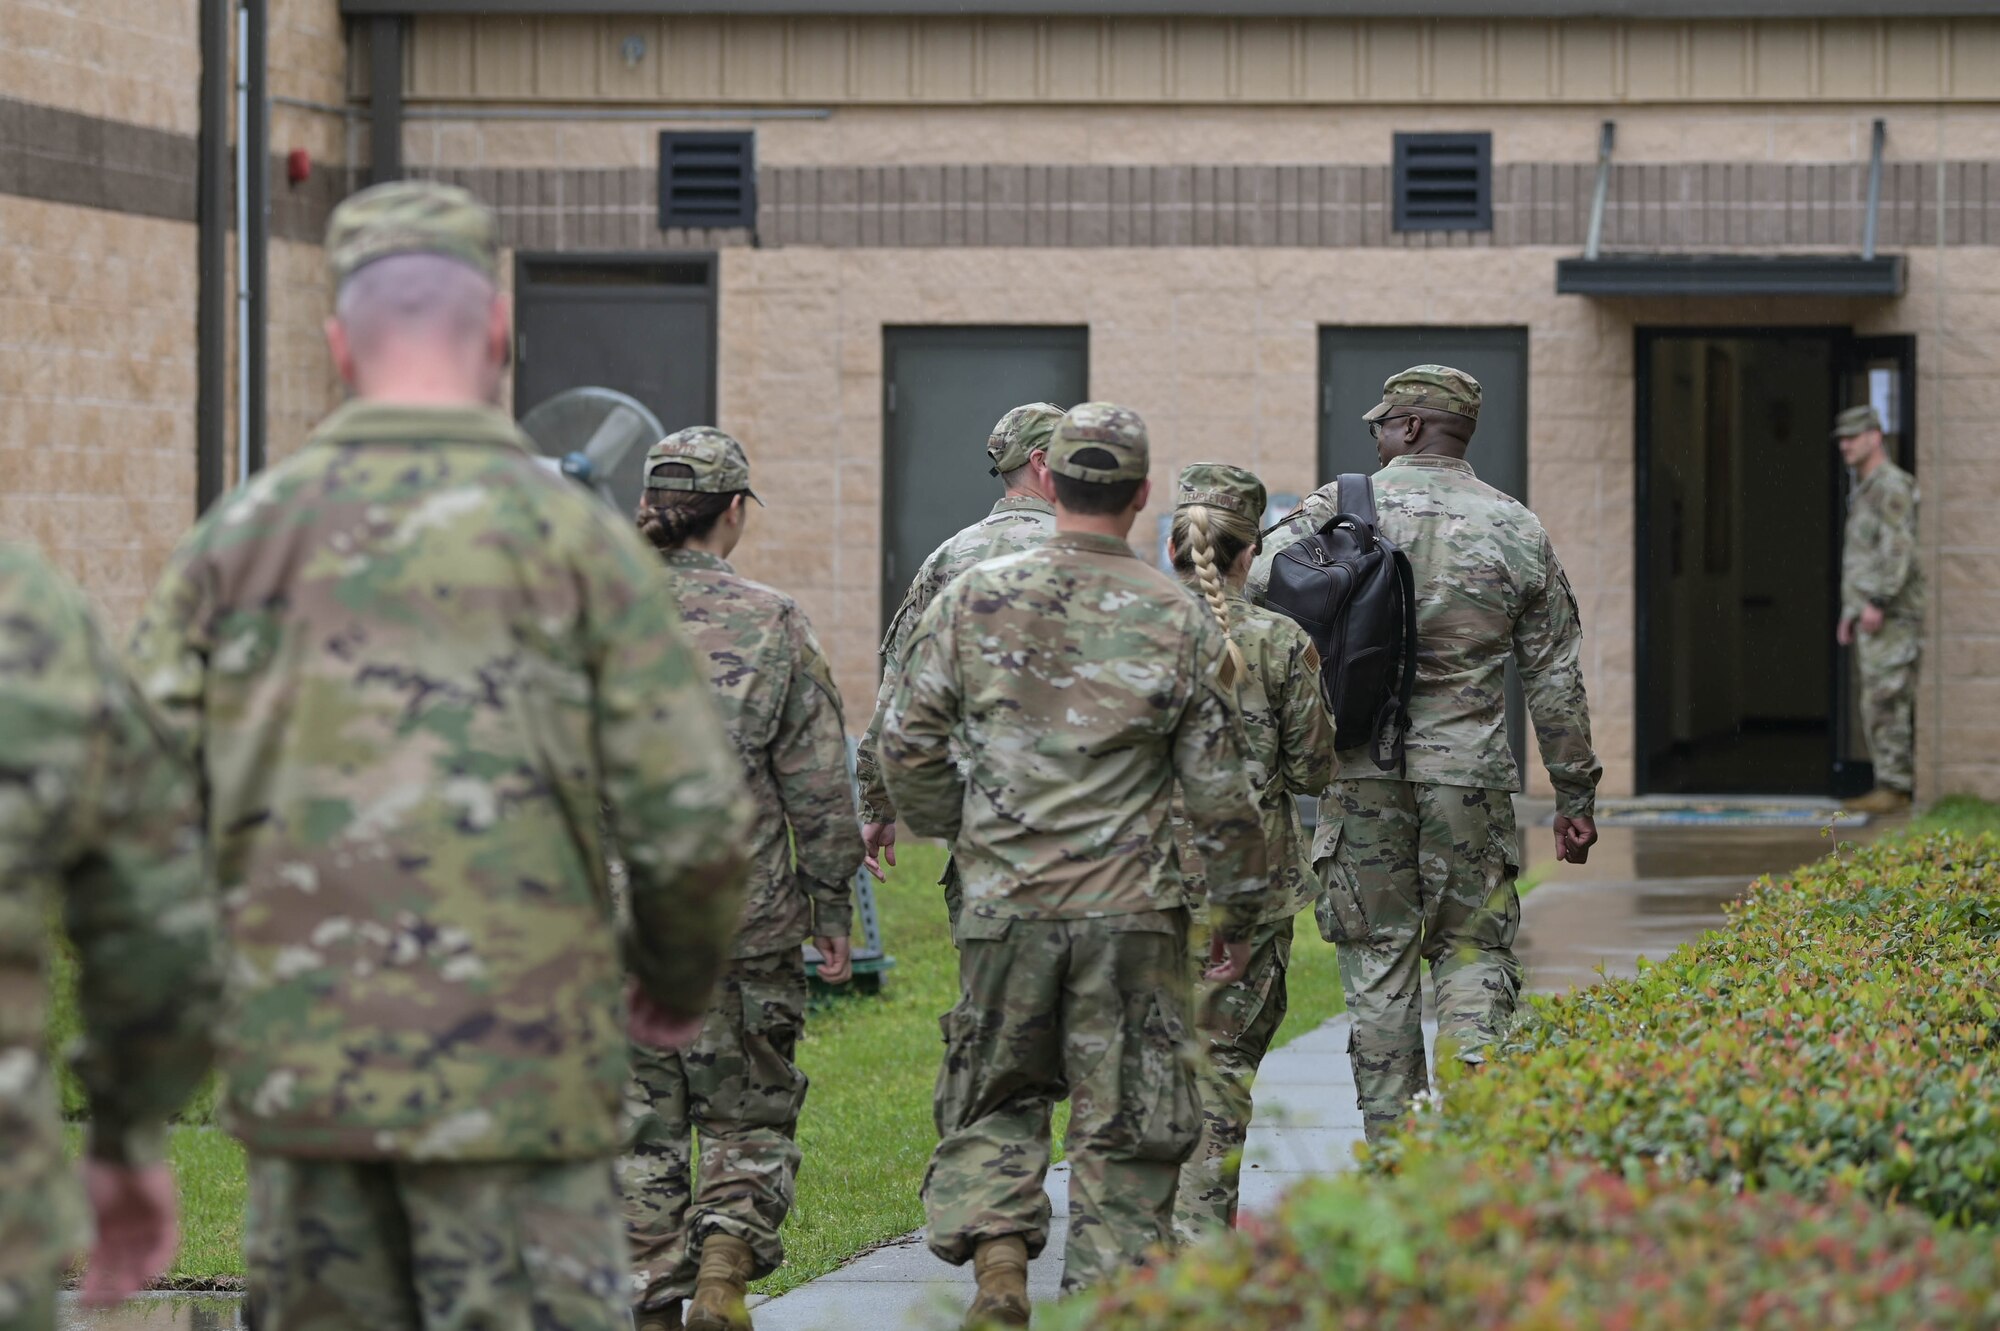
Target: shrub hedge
point(1840, 1031)
point(1447, 1246)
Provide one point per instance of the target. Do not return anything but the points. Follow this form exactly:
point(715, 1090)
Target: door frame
point(1841, 342)
point(525, 289)
point(894, 581)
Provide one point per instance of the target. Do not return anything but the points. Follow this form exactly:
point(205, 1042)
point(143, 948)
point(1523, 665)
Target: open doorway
point(1741, 495)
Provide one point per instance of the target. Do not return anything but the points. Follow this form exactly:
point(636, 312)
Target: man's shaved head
point(420, 317)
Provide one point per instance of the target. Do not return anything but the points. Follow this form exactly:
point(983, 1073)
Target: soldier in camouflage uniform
point(739, 1085)
point(1419, 865)
point(98, 817)
point(1214, 539)
point(1081, 684)
point(427, 681)
point(1882, 605)
point(1022, 518)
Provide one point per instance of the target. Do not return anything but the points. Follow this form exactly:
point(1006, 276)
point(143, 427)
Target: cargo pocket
point(774, 1013)
point(1159, 1115)
point(1338, 906)
point(953, 1103)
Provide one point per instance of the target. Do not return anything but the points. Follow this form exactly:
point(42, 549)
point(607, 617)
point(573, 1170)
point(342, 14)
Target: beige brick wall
point(1064, 134)
point(97, 382)
point(132, 60)
point(1222, 345)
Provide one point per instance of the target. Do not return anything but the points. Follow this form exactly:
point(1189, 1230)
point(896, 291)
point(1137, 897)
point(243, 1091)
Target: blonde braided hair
point(1206, 541)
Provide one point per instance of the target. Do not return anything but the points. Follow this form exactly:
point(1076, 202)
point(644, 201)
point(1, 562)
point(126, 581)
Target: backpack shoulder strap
point(1357, 498)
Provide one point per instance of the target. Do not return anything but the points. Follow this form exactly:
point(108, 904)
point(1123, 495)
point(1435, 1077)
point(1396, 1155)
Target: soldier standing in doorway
point(740, 1086)
point(429, 684)
point(99, 820)
point(1419, 865)
point(1022, 518)
point(1881, 604)
point(1082, 685)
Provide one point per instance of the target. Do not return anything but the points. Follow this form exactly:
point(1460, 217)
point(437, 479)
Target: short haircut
point(1095, 498)
point(1012, 479)
point(421, 296)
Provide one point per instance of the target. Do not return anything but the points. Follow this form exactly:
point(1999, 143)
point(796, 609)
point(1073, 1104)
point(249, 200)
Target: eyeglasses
point(1375, 426)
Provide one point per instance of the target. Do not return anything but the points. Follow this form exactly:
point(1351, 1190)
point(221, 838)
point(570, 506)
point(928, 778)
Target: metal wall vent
point(708, 180)
point(1444, 182)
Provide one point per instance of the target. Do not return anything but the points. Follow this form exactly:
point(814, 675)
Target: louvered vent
point(708, 180)
point(1444, 182)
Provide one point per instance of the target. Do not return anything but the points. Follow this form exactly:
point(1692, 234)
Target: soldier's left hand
point(836, 958)
point(1871, 619)
point(136, 1231)
point(1235, 962)
point(653, 1026)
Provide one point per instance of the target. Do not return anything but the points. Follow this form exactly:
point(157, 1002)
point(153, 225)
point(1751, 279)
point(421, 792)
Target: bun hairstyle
point(672, 518)
point(1207, 540)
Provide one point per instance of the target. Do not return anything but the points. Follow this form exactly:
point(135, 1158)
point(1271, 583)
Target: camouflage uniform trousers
point(381, 1245)
point(1096, 1009)
point(1888, 661)
point(740, 1086)
point(1418, 873)
point(1239, 1021)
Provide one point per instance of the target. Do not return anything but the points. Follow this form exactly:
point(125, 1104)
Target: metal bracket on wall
point(1605, 137)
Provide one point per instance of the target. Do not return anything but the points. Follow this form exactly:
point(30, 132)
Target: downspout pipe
point(211, 396)
point(385, 98)
point(1595, 242)
point(257, 234)
point(1870, 228)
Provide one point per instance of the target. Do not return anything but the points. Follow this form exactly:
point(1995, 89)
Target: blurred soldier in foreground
point(1213, 540)
point(1082, 684)
point(738, 1086)
point(425, 678)
point(1881, 605)
point(1022, 518)
point(1419, 865)
point(98, 816)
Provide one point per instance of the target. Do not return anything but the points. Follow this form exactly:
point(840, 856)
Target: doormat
point(1723, 813)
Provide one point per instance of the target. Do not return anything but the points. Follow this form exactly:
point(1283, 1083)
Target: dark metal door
point(642, 326)
point(1881, 372)
point(943, 389)
point(1353, 364)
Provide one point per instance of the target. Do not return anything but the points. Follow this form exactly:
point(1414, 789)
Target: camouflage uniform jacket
point(779, 703)
point(1017, 522)
point(1291, 747)
point(98, 816)
point(419, 673)
point(1878, 556)
point(1083, 683)
point(1488, 584)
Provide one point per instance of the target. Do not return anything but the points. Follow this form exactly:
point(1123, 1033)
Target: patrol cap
point(715, 460)
point(411, 217)
point(1219, 485)
point(1019, 433)
point(1103, 428)
point(1856, 420)
point(1438, 387)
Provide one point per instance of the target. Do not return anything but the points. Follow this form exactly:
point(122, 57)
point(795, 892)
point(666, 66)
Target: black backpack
point(1352, 591)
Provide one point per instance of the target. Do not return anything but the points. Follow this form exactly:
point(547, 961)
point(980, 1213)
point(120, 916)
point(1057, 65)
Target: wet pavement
point(1645, 892)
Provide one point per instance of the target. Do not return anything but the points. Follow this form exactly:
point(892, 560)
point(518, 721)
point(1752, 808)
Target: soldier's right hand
point(137, 1236)
point(879, 841)
point(1235, 960)
point(651, 1025)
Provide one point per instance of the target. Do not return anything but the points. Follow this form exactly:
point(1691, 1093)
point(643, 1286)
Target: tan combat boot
point(1881, 800)
point(1001, 1266)
point(720, 1286)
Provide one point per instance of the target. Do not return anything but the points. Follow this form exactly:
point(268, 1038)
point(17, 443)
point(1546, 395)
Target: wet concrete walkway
point(1643, 894)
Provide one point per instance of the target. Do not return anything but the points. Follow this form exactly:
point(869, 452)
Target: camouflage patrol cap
point(1019, 433)
point(411, 217)
point(715, 459)
point(1106, 428)
point(1438, 387)
point(1219, 485)
point(1856, 420)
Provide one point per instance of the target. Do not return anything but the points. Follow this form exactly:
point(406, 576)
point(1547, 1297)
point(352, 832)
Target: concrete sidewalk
point(1306, 1124)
